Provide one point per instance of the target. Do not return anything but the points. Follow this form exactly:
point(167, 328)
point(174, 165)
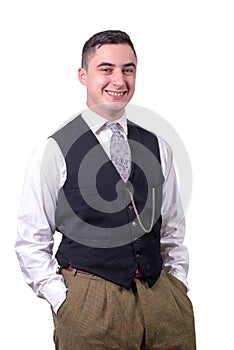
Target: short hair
point(102, 38)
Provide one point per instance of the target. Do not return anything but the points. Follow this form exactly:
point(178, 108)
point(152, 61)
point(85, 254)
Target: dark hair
point(102, 38)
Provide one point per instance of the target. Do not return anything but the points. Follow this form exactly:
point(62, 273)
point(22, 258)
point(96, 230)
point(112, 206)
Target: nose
point(118, 78)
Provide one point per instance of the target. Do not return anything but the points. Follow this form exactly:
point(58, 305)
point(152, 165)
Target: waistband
point(138, 274)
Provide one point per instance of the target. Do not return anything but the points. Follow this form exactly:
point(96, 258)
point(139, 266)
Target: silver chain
point(137, 214)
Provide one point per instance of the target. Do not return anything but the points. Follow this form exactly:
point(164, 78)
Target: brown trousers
point(99, 315)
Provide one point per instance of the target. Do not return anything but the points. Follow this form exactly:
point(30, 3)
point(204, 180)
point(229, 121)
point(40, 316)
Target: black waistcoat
point(101, 232)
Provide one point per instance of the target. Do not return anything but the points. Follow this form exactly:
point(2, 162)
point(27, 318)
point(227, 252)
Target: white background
point(185, 74)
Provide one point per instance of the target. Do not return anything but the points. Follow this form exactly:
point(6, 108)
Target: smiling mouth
point(115, 93)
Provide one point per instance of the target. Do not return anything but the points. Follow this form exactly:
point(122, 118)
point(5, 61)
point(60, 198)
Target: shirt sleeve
point(174, 253)
point(45, 175)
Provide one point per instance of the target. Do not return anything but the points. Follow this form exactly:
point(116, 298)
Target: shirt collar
point(96, 122)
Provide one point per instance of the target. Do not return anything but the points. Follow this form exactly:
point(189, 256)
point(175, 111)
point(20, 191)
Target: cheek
point(102, 82)
point(96, 88)
point(98, 81)
point(132, 83)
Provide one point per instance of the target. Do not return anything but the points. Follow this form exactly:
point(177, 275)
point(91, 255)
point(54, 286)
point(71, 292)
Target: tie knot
point(113, 126)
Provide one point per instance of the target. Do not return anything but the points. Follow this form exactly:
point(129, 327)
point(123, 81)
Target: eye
point(106, 70)
point(129, 71)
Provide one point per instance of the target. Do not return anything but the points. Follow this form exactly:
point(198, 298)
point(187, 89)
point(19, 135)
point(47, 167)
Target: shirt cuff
point(57, 305)
point(55, 294)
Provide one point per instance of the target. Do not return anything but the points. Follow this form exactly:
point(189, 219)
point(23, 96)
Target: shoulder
point(70, 132)
point(164, 147)
point(46, 154)
point(67, 124)
point(139, 133)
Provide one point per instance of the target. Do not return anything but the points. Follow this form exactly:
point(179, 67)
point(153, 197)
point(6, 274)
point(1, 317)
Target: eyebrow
point(130, 64)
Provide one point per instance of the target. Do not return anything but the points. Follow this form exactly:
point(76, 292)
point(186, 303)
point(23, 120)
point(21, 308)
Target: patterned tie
point(119, 151)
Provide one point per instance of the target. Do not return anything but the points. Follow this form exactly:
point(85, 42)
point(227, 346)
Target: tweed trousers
point(100, 315)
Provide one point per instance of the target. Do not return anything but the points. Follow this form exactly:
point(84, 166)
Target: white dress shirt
point(36, 218)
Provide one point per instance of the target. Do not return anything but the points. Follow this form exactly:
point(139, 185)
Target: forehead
point(117, 54)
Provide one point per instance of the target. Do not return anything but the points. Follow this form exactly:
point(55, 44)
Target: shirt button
point(138, 256)
point(130, 207)
point(134, 223)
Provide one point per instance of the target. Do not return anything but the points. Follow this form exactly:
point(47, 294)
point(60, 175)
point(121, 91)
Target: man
point(110, 189)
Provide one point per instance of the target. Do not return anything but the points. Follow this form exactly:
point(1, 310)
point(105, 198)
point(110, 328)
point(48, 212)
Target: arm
point(35, 225)
point(174, 253)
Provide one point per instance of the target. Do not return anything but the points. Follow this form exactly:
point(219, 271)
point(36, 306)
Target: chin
point(112, 109)
point(115, 106)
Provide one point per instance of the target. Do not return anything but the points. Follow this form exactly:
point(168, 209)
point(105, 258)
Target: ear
point(82, 75)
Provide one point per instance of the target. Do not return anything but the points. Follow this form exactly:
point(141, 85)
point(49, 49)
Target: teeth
point(115, 93)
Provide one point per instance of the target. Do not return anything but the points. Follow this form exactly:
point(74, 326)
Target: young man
point(109, 187)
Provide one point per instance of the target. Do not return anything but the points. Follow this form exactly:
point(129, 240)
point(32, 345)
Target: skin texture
point(110, 79)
